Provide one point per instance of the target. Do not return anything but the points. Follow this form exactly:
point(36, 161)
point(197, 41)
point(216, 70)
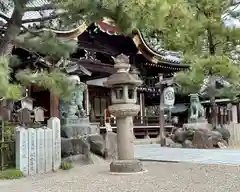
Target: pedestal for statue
point(75, 127)
point(199, 124)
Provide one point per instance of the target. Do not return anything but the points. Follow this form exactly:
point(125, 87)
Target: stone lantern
point(124, 97)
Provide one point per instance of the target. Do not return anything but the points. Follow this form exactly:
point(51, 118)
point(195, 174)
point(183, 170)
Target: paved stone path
point(161, 177)
point(205, 156)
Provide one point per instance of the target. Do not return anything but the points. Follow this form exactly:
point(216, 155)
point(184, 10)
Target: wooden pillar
point(54, 101)
point(234, 114)
point(142, 107)
point(86, 101)
point(225, 118)
point(238, 113)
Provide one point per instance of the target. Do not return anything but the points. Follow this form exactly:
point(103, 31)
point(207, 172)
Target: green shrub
point(11, 174)
point(66, 165)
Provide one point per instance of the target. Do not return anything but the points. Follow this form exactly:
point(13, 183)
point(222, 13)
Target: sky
point(230, 22)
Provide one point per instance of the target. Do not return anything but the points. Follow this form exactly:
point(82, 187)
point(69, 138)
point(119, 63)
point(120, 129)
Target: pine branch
point(218, 43)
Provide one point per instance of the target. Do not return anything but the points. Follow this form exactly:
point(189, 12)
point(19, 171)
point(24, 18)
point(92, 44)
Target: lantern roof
point(122, 76)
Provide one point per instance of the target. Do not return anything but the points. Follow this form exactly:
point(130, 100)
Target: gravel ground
point(171, 177)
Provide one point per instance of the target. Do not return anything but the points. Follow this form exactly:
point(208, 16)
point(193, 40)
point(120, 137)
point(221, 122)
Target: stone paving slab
point(204, 156)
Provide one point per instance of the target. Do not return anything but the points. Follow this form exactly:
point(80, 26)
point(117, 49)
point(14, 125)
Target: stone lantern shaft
point(125, 138)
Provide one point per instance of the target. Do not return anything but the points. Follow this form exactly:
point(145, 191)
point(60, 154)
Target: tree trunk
point(213, 111)
point(13, 29)
point(161, 115)
point(212, 51)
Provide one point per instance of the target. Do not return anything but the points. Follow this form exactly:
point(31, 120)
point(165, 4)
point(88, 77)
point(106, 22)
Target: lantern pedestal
point(126, 166)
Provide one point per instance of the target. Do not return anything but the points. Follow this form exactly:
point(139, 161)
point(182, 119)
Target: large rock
point(190, 134)
point(198, 125)
point(222, 145)
point(110, 145)
point(187, 144)
point(169, 142)
point(66, 147)
point(81, 146)
point(180, 135)
point(97, 144)
point(216, 137)
point(75, 147)
point(176, 145)
point(202, 139)
point(225, 133)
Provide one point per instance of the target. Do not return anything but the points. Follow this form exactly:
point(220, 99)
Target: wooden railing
point(143, 126)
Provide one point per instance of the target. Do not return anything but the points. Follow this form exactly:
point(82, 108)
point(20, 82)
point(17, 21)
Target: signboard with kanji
point(169, 96)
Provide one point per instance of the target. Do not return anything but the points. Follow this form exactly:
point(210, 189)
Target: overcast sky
point(230, 22)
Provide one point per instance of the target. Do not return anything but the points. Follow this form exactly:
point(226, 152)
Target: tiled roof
point(155, 44)
point(32, 14)
point(41, 14)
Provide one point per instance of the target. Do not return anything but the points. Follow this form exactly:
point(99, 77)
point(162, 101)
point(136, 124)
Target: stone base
point(126, 166)
point(77, 127)
point(198, 125)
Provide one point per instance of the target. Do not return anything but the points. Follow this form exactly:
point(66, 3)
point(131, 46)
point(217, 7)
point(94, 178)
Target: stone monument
point(124, 96)
point(197, 117)
point(74, 121)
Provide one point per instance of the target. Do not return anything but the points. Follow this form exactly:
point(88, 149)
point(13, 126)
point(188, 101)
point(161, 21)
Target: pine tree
point(200, 30)
point(126, 14)
point(44, 43)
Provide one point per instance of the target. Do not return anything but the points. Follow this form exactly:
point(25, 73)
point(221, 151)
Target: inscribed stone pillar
point(32, 138)
point(54, 124)
point(40, 151)
point(48, 143)
point(22, 150)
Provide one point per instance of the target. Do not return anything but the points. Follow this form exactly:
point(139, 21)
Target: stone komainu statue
point(74, 108)
point(196, 109)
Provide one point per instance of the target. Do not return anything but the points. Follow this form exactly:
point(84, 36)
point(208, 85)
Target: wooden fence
point(234, 129)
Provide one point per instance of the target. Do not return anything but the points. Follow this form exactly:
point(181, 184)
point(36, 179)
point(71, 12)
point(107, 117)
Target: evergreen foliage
point(127, 14)
point(200, 30)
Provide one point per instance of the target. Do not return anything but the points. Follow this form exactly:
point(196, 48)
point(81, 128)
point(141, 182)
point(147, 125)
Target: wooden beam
point(97, 47)
point(95, 66)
